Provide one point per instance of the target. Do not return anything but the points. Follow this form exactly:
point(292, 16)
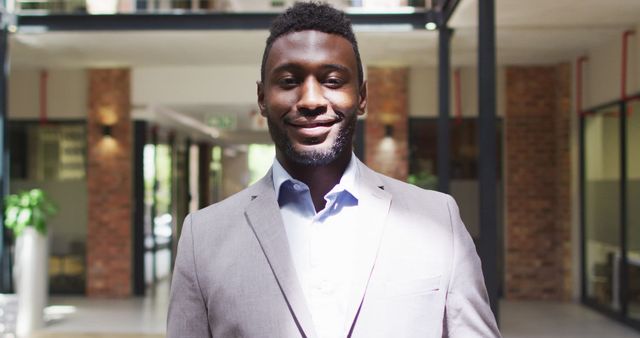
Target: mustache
point(303, 118)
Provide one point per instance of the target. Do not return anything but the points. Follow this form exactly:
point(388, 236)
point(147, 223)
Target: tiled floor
point(139, 316)
point(558, 320)
point(145, 318)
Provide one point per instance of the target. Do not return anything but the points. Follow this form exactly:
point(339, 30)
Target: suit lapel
point(263, 215)
point(375, 207)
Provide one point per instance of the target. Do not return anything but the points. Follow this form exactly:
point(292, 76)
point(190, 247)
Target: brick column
point(387, 105)
point(109, 184)
point(537, 174)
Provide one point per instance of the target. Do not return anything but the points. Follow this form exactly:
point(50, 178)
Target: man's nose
point(312, 100)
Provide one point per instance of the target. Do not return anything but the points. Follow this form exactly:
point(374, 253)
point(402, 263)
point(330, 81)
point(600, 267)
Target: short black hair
point(315, 16)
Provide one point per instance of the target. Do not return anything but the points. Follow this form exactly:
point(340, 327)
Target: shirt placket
point(323, 286)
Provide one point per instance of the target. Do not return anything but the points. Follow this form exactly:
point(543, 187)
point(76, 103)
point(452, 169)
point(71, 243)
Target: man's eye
point(334, 82)
point(287, 82)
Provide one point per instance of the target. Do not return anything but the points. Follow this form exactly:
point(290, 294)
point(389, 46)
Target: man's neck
point(319, 179)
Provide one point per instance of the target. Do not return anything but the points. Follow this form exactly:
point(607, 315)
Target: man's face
point(310, 96)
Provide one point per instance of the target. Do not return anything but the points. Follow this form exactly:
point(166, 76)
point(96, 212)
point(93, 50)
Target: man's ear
point(362, 96)
point(260, 92)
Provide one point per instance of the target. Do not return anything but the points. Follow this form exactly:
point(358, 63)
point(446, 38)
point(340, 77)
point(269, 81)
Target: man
point(323, 246)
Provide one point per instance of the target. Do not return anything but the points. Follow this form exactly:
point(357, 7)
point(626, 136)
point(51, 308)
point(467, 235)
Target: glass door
point(633, 209)
point(601, 212)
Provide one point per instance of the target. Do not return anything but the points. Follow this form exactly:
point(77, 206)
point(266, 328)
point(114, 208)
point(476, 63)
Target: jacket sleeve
point(187, 316)
point(467, 310)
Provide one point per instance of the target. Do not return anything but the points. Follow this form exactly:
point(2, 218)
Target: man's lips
point(312, 124)
point(312, 128)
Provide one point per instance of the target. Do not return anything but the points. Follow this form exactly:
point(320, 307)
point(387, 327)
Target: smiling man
point(323, 246)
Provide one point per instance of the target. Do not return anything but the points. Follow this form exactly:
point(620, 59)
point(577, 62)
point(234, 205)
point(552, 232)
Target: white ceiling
point(528, 31)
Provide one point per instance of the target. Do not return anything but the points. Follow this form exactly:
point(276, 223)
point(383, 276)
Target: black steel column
point(139, 140)
point(204, 174)
point(487, 144)
point(5, 257)
point(444, 86)
point(624, 261)
point(187, 182)
point(582, 197)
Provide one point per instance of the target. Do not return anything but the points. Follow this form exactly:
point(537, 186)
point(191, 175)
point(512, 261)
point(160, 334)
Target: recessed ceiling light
point(431, 26)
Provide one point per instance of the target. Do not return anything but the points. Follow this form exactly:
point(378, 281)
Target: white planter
point(31, 280)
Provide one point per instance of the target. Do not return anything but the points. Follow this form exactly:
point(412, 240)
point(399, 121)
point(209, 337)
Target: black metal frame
point(192, 21)
point(488, 245)
point(622, 315)
point(139, 141)
point(444, 130)
point(448, 8)
point(5, 263)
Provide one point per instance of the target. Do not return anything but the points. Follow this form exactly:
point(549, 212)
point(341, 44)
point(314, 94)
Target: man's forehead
point(311, 45)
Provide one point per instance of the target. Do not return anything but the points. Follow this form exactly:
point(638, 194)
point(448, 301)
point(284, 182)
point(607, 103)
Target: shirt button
point(296, 186)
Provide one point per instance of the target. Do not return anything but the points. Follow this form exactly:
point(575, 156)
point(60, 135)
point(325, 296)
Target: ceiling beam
point(192, 21)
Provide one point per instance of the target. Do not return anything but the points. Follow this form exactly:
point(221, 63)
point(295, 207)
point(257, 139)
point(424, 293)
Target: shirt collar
point(347, 181)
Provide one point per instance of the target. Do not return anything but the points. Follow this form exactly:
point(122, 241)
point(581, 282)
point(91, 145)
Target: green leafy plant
point(424, 179)
point(28, 208)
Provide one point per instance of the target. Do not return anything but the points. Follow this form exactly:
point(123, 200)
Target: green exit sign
point(223, 122)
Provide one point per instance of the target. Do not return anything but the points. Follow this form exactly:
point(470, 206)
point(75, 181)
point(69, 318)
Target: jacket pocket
point(401, 288)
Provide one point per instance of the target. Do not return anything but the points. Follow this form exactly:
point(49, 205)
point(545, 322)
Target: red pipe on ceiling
point(623, 77)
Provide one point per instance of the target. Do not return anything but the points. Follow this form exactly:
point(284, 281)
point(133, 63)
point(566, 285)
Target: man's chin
point(312, 156)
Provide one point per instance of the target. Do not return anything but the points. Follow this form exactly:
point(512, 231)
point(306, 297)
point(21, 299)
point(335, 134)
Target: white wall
point(66, 94)
point(195, 85)
point(423, 92)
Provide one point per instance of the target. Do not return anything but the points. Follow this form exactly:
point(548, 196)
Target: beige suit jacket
point(419, 277)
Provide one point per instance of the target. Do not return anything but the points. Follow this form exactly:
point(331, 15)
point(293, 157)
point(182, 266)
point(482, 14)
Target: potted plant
point(26, 214)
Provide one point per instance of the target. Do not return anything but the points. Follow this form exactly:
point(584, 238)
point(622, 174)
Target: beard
point(316, 157)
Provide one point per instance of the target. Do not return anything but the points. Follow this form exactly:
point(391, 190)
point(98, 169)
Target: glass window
point(159, 216)
point(602, 206)
point(633, 207)
point(53, 157)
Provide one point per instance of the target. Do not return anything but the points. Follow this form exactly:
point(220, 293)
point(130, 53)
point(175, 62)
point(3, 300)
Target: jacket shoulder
point(400, 188)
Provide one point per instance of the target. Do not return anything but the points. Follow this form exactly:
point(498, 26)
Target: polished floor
point(79, 317)
point(558, 320)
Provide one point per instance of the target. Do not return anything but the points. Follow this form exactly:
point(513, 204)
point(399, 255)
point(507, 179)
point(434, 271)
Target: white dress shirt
point(323, 244)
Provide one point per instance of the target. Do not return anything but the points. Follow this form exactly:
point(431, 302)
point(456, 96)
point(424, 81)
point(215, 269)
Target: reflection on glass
point(158, 227)
point(633, 207)
point(53, 156)
point(602, 206)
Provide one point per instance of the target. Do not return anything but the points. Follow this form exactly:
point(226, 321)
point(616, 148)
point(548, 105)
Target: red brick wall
point(109, 184)
point(537, 174)
point(387, 104)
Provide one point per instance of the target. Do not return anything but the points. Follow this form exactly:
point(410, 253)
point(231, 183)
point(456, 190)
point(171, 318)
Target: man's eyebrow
point(295, 66)
point(335, 66)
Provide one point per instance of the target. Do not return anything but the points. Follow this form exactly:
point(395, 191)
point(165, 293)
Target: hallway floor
point(145, 318)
